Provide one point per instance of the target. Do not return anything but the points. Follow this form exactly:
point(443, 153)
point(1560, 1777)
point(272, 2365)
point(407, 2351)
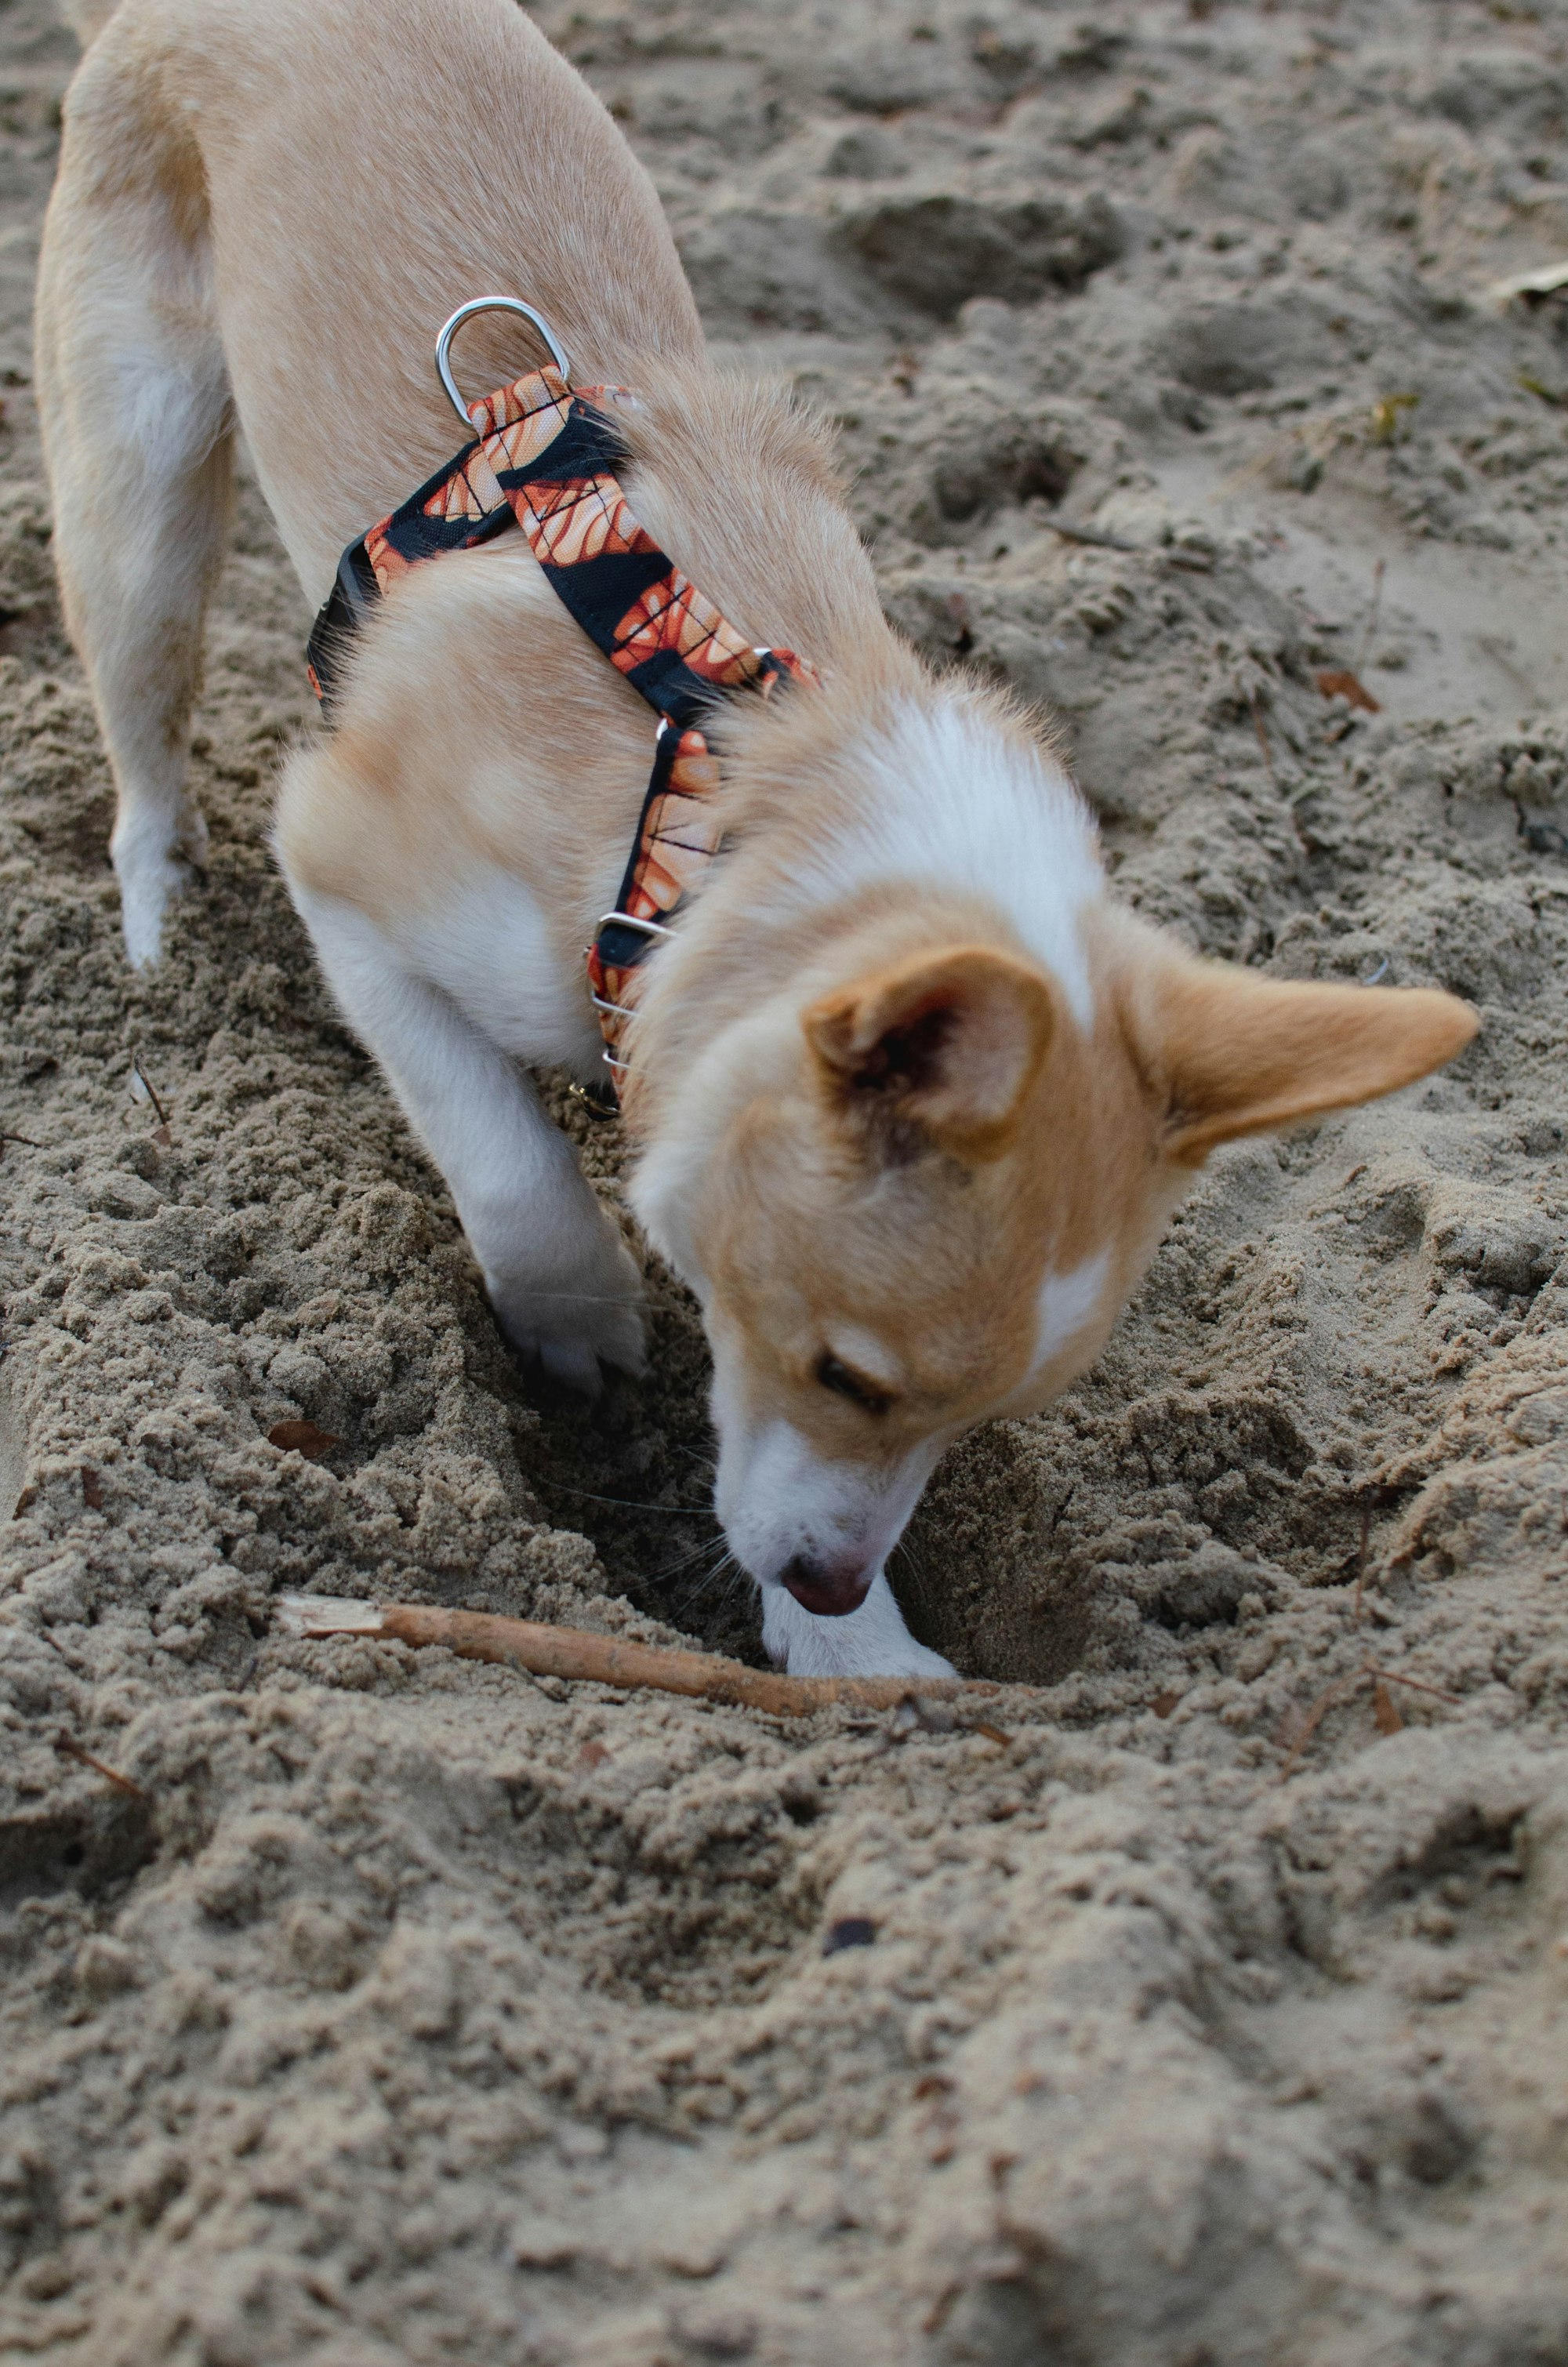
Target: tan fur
point(814, 1221)
point(878, 1131)
point(811, 1221)
point(86, 17)
point(1232, 1054)
point(957, 1038)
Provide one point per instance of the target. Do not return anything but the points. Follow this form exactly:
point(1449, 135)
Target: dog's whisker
point(912, 1564)
point(727, 1566)
point(711, 1548)
point(626, 1503)
point(592, 1299)
point(698, 1552)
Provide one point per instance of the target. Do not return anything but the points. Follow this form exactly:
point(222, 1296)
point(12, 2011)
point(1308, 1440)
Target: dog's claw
point(571, 1365)
point(572, 1337)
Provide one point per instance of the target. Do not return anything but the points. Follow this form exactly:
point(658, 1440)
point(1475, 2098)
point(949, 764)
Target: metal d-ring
point(631, 920)
point(654, 929)
point(491, 304)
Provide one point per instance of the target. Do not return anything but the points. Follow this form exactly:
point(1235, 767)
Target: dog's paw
point(145, 897)
point(870, 1642)
point(575, 1324)
point(903, 1658)
point(915, 1661)
point(151, 871)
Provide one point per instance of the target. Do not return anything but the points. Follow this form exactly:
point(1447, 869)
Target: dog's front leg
point(870, 1642)
point(564, 1285)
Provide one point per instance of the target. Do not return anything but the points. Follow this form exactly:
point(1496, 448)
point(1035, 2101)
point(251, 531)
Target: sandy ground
point(394, 2011)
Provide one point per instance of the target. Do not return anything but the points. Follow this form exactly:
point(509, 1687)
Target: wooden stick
point(603, 1659)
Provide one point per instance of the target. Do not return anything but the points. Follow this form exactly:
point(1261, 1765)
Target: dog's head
point(913, 1192)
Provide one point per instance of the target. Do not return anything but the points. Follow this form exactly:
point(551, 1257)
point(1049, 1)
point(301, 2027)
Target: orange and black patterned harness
point(546, 455)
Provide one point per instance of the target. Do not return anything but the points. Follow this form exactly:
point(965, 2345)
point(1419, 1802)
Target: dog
point(913, 1099)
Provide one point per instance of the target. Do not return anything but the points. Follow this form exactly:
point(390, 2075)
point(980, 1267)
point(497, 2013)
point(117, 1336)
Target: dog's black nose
point(829, 1588)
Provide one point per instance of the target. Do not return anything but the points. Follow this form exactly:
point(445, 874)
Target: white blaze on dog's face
point(936, 1207)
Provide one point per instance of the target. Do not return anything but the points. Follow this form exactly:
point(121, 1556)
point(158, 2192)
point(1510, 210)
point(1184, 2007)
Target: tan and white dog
point(914, 1099)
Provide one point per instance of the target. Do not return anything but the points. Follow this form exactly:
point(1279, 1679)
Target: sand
point(1213, 2008)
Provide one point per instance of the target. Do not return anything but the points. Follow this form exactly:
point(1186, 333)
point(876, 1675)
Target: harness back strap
point(548, 456)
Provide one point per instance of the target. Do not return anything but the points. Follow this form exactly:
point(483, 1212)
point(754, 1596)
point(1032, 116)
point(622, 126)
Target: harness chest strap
point(547, 455)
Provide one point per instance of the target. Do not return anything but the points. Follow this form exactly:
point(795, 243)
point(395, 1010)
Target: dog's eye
point(845, 1382)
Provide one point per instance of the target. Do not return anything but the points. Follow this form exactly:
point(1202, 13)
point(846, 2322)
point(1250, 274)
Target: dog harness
point(546, 454)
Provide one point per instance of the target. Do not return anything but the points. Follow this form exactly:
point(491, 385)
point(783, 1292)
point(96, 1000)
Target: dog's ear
point(1226, 1053)
point(947, 1042)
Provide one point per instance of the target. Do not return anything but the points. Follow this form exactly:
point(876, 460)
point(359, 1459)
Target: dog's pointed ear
point(1226, 1053)
point(947, 1042)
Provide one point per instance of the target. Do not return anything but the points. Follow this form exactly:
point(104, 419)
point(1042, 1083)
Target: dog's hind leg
point(134, 404)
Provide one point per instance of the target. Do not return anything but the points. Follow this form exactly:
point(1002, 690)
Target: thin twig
point(1326, 1700)
point(574, 1652)
point(26, 1139)
point(70, 1747)
point(1262, 730)
point(138, 1072)
point(1392, 1677)
point(1094, 536)
point(1364, 644)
